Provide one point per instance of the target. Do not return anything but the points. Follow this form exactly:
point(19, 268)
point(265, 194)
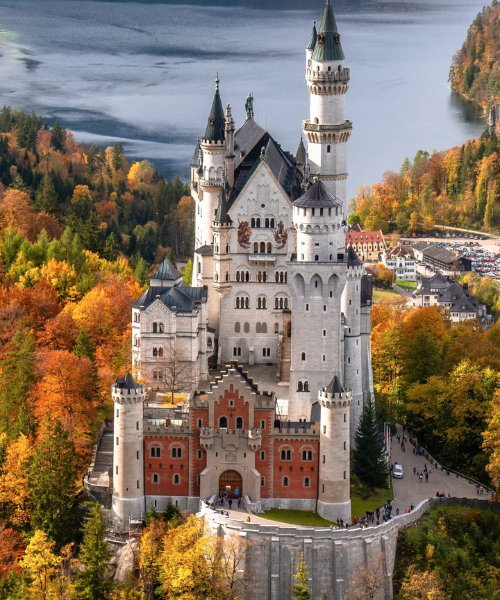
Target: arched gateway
point(230, 482)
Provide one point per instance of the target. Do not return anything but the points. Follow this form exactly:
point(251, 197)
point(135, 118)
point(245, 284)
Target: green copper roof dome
point(216, 121)
point(314, 36)
point(300, 159)
point(328, 46)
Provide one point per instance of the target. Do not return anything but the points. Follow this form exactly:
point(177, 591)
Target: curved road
point(410, 489)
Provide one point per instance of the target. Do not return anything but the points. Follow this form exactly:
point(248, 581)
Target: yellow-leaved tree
point(40, 568)
point(14, 481)
point(492, 441)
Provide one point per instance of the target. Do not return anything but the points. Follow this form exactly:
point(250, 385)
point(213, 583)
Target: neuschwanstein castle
point(277, 302)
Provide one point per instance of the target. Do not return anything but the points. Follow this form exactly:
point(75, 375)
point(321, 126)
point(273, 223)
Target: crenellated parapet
point(339, 400)
point(122, 395)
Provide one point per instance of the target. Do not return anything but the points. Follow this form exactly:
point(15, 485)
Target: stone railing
point(328, 76)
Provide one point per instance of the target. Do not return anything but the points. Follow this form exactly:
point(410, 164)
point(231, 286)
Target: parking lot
point(483, 252)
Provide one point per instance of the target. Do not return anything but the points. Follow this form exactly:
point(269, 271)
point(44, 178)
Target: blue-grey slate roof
point(335, 386)
point(314, 36)
point(166, 271)
point(183, 297)
point(216, 121)
point(317, 195)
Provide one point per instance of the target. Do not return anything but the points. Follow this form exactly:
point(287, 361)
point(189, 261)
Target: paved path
point(410, 489)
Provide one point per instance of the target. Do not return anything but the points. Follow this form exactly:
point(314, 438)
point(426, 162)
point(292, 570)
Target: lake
point(142, 73)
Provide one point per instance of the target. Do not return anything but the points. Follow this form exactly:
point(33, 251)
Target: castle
point(275, 289)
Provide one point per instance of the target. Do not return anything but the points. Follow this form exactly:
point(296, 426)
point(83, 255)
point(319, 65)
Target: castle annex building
point(277, 301)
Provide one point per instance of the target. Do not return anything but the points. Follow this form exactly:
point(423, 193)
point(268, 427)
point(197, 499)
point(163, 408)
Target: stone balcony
point(207, 438)
point(328, 76)
point(211, 183)
point(254, 439)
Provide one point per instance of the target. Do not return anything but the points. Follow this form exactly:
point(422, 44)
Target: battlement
point(335, 400)
point(211, 144)
point(343, 75)
point(122, 395)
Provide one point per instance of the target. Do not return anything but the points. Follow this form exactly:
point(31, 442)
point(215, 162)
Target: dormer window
point(336, 37)
point(321, 39)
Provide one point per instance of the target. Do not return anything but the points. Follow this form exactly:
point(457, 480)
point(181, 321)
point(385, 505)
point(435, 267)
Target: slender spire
point(328, 46)
point(216, 122)
point(314, 36)
point(195, 161)
point(300, 159)
point(221, 216)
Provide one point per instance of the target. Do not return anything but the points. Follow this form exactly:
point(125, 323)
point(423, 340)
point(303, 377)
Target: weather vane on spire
point(217, 80)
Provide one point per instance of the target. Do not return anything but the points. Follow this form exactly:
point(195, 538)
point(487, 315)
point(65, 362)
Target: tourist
point(420, 477)
point(239, 502)
point(411, 507)
point(403, 448)
point(414, 470)
point(230, 502)
point(247, 519)
point(426, 477)
point(397, 512)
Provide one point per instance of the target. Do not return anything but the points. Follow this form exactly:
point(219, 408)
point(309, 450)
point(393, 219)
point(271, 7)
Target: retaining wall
point(335, 558)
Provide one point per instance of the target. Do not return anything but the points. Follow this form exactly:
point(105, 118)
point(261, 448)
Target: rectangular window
point(156, 503)
point(324, 459)
point(262, 481)
point(137, 454)
point(323, 489)
point(138, 485)
point(262, 455)
point(200, 423)
point(324, 428)
point(307, 307)
point(137, 425)
point(117, 440)
point(198, 480)
point(116, 470)
point(117, 413)
point(199, 454)
point(345, 445)
point(262, 424)
point(345, 476)
point(345, 418)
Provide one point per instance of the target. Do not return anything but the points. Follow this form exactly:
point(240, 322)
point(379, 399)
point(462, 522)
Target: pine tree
point(53, 477)
point(58, 136)
point(369, 460)
point(46, 196)
point(16, 379)
point(92, 583)
point(141, 272)
point(111, 247)
point(301, 589)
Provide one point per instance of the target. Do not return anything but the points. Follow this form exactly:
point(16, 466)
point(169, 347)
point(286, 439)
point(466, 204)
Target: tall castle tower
point(327, 130)
point(211, 171)
point(316, 281)
point(334, 481)
point(128, 460)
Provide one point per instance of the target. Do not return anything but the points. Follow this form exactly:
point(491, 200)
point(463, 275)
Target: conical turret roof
point(127, 382)
point(167, 271)
point(335, 387)
point(195, 161)
point(221, 216)
point(314, 36)
point(353, 259)
point(216, 121)
point(317, 195)
point(328, 45)
point(300, 159)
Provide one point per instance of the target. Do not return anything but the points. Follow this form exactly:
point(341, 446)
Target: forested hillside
point(475, 71)
point(80, 230)
point(48, 181)
point(458, 187)
point(443, 380)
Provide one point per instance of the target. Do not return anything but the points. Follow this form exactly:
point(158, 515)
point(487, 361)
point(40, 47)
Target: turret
point(301, 159)
point(213, 147)
point(128, 460)
point(229, 131)
point(351, 308)
point(312, 44)
point(317, 217)
point(334, 481)
point(327, 130)
point(222, 228)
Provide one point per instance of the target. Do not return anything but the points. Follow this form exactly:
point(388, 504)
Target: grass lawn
point(295, 517)
point(409, 286)
point(361, 505)
point(379, 295)
point(178, 399)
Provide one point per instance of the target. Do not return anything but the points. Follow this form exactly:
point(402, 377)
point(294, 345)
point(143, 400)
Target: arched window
point(328, 149)
point(136, 340)
point(276, 328)
point(306, 386)
point(155, 478)
point(239, 422)
point(255, 247)
point(316, 258)
point(237, 275)
point(155, 351)
point(227, 276)
point(285, 482)
point(300, 386)
point(237, 327)
point(306, 482)
point(272, 223)
point(223, 423)
point(276, 303)
point(269, 247)
point(267, 223)
point(286, 455)
point(155, 452)
point(303, 356)
point(177, 479)
point(252, 222)
point(263, 247)
point(155, 328)
point(176, 452)
point(160, 351)
point(307, 455)
point(258, 223)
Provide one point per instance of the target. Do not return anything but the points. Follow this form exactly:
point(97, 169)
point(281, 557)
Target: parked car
point(397, 472)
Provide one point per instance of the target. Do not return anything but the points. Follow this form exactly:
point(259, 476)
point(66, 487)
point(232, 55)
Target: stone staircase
point(285, 360)
point(104, 456)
